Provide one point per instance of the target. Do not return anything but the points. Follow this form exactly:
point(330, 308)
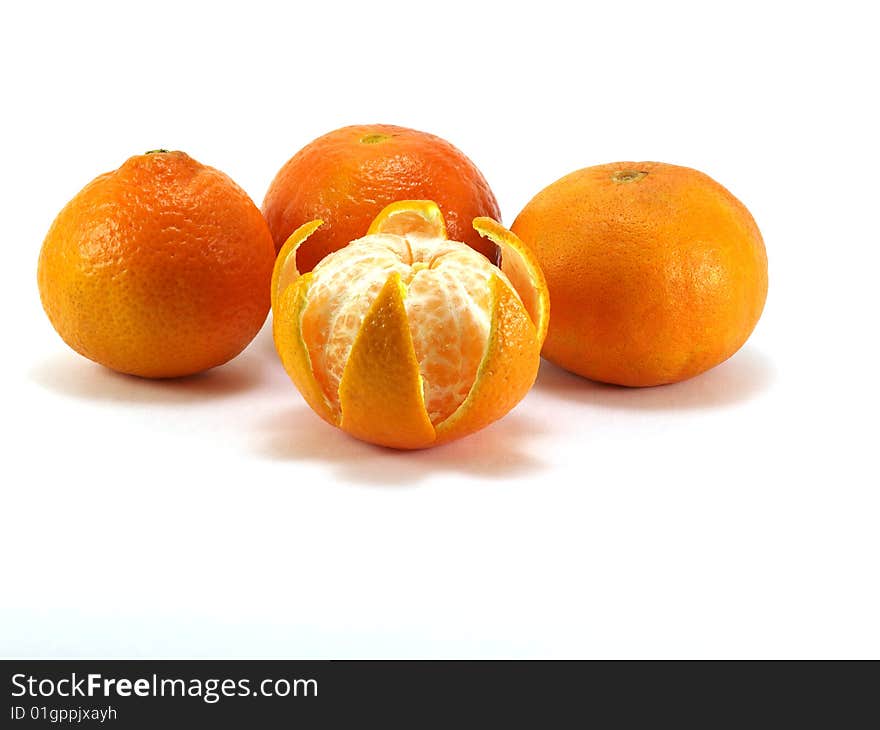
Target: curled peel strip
point(285, 271)
point(294, 353)
point(421, 217)
point(523, 270)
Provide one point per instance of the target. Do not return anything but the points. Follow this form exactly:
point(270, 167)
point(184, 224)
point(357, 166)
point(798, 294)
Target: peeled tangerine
point(406, 339)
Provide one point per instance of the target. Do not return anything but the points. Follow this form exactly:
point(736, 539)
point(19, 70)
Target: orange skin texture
point(160, 268)
point(346, 182)
point(652, 281)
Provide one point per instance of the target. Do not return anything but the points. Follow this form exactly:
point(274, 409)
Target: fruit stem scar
point(375, 138)
point(155, 152)
point(628, 176)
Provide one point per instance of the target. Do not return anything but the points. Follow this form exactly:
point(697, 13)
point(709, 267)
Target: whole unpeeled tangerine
point(160, 268)
point(656, 272)
point(347, 176)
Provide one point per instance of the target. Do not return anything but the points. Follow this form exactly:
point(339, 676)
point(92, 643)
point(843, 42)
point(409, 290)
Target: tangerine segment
point(381, 390)
point(344, 286)
point(507, 371)
point(448, 307)
point(447, 302)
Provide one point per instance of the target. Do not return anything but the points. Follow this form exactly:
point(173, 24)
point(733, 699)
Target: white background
point(735, 515)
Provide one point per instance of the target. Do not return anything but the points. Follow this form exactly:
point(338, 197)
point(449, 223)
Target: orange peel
point(406, 339)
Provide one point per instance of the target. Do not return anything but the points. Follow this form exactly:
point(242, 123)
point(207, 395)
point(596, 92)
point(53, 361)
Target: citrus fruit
point(656, 272)
point(405, 338)
point(347, 176)
point(160, 268)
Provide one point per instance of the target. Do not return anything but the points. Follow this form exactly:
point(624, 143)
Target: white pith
point(447, 302)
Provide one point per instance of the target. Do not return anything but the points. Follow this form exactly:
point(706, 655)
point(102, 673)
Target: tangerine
point(656, 272)
point(406, 338)
point(346, 177)
point(160, 268)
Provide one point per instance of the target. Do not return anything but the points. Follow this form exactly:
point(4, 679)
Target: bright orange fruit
point(405, 338)
point(347, 176)
point(656, 272)
point(159, 269)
